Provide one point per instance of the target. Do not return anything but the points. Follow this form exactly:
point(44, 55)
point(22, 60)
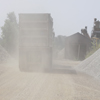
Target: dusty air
point(36, 64)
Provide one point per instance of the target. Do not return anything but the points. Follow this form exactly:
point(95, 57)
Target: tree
point(59, 42)
point(9, 33)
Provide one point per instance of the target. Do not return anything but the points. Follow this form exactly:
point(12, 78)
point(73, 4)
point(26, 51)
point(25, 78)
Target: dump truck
point(35, 41)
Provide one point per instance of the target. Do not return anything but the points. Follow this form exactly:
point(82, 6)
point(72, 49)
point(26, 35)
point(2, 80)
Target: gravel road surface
point(58, 84)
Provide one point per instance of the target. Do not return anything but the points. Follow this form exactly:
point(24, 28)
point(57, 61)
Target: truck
point(35, 41)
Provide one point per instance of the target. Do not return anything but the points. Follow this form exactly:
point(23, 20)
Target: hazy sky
point(69, 15)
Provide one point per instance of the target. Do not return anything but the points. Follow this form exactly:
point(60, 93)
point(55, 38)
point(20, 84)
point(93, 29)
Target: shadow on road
point(55, 69)
point(59, 69)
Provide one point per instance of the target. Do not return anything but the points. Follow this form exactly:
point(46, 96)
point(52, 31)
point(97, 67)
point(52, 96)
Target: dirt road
point(54, 85)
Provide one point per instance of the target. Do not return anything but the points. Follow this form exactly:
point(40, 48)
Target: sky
point(69, 16)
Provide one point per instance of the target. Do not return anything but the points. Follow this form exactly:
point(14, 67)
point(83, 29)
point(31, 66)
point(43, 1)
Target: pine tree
point(10, 33)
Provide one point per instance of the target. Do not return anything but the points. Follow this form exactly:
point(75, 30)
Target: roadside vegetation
point(95, 47)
